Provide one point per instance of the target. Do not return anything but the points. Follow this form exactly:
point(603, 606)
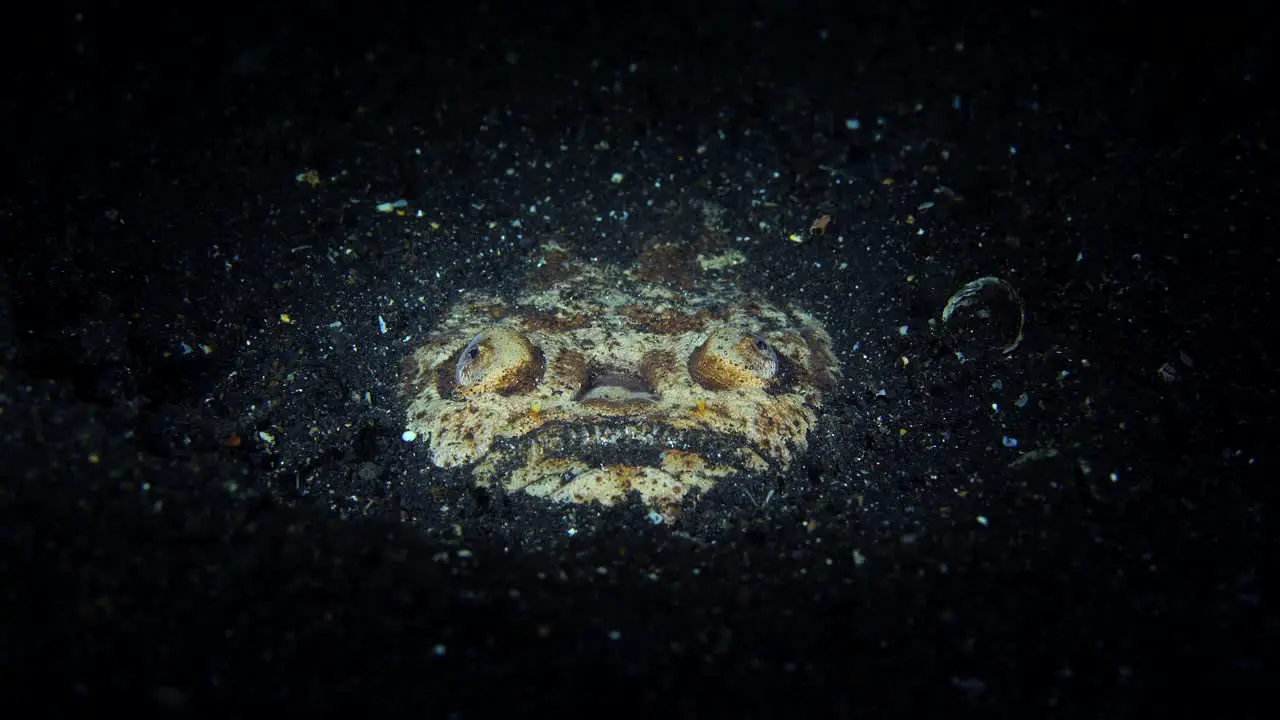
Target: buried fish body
point(598, 381)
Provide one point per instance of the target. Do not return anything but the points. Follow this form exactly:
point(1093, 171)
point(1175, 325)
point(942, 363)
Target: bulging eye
point(762, 348)
point(498, 360)
point(731, 358)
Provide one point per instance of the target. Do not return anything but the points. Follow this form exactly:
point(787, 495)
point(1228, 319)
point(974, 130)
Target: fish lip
point(592, 441)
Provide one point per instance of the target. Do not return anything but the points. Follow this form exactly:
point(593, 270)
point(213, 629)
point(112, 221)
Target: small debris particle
point(819, 226)
point(616, 178)
point(266, 437)
point(996, 301)
point(408, 436)
point(284, 318)
point(310, 177)
point(1042, 454)
point(388, 207)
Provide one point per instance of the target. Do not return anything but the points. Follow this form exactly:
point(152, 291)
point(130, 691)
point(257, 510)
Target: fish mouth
point(624, 441)
point(607, 460)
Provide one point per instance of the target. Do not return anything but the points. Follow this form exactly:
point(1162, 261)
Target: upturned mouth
point(631, 443)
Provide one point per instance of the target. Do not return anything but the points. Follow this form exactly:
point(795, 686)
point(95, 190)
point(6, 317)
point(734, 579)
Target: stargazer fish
point(597, 381)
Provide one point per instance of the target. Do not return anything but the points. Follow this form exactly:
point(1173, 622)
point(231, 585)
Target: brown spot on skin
point(568, 372)
point(657, 365)
point(719, 410)
point(664, 323)
point(492, 312)
point(544, 321)
point(668, 263)
point(682, 460)
point(779, 425)
point(767, 423)
point(557, 256)
point(627, 476)
point(527, 377)
point(550, 265)
point(819, 360)
point(444, 376)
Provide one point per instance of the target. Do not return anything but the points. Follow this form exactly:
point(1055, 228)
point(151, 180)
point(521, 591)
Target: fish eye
point(498, 360)
point(731, 358)
point(762, 346)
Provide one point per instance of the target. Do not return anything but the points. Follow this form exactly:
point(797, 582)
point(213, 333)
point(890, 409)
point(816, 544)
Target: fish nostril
point(622, 380)
point(613, 387)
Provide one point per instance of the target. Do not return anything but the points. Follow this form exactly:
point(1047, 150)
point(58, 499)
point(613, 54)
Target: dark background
point(206, 508)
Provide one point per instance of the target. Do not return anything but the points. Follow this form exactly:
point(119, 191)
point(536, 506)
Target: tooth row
point(557, 441)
